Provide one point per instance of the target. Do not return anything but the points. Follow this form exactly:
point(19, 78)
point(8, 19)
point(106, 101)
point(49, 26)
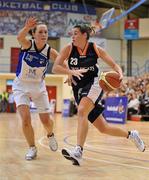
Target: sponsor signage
point(45, 6)
point(66, 108)
point(116, 109)
point(131, 29)
point(74, 19)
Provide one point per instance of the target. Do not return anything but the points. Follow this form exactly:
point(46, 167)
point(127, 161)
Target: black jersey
point(87, 61)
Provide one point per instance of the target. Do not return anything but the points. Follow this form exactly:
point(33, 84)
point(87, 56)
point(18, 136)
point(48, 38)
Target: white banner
point(74, 19)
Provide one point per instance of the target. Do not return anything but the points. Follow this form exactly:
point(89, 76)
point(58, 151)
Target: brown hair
point(85, 28)
point(34, 29)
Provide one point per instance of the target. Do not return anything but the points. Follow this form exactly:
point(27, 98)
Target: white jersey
point(33, 63)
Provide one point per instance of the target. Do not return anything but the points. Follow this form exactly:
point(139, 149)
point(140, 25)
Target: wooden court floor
point(105, 157)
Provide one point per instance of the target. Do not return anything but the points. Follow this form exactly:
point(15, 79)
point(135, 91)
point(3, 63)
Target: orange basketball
point(109, 81)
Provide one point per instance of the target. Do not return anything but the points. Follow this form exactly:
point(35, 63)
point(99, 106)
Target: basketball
point(109, 81)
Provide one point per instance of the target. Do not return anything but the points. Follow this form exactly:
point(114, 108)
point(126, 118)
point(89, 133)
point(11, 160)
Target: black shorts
point(92, 90)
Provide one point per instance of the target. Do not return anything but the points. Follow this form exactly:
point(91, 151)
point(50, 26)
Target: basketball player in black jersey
point(83, 69)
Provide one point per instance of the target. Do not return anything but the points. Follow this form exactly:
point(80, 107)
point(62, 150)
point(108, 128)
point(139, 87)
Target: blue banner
point(45, 6)
point(116, 109)
point(66, 108)
point(131, 29)
point(131, 34)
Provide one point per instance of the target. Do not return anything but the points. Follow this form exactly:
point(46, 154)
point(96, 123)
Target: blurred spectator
point(144, 101)
point(11, 102)
point(12, 21)
point(133, 104)
point(4, 101)
point(73, 107)
point(0, 102)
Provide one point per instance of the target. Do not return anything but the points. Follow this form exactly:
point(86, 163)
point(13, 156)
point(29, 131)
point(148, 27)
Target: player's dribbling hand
point(120, 76)
point(121, 79)
point(78, 73)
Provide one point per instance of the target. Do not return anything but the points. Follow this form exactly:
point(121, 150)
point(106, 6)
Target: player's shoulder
point(67, 47)
point(99, 47)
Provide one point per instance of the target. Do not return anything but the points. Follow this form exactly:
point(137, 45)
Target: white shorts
point(36, 91)
point(95, 90)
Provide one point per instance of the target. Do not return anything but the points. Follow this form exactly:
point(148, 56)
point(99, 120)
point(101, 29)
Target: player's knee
point(81, 111)
point(95, 112)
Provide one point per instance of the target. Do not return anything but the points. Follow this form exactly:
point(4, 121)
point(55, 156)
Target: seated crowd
point(135, 88)
point(137, 91)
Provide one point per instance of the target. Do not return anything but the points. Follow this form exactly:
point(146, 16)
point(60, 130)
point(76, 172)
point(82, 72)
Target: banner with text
point(74, 19)
point(131, 29)
point(45, 6)
point(116, 109)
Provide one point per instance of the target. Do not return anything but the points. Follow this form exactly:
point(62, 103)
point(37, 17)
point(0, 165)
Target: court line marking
point(113, 148)
point(97, 160)
point(120, 164)
point(88, 158)
point(107, 153)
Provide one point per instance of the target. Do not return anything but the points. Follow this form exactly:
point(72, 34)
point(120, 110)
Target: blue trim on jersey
point(19, 64)
point(32, 59)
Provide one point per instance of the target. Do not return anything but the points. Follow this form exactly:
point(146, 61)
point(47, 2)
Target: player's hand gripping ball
point(109, 80)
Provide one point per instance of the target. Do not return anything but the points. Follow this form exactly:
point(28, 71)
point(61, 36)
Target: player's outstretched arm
point(30, 24)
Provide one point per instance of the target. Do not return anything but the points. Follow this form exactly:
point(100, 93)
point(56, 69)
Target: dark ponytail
point(85, 28)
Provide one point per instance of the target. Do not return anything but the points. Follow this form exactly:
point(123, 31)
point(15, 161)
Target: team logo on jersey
point(32, 71)
point(41, 61)
point(29, 57)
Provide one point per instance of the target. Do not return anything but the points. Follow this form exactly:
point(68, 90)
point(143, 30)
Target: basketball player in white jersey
point(29, 82)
